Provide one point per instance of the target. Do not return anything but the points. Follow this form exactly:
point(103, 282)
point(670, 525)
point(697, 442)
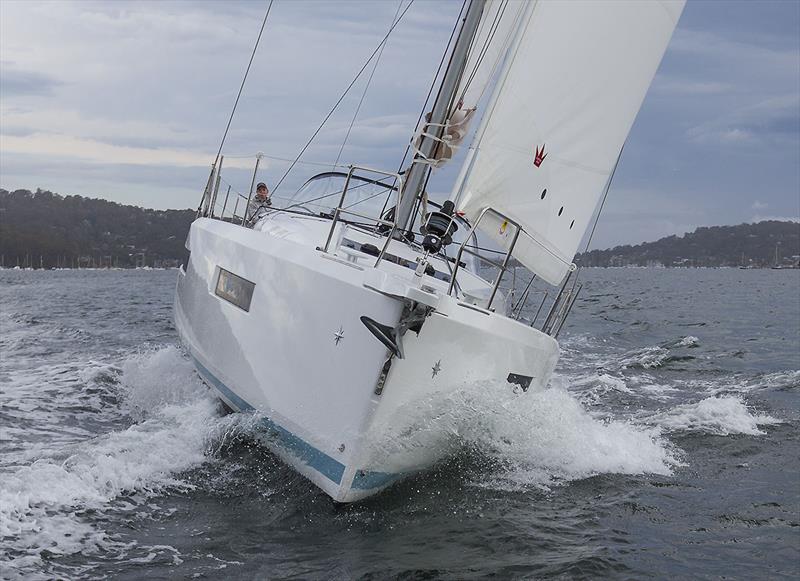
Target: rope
point(241, 87)
point(341, 98)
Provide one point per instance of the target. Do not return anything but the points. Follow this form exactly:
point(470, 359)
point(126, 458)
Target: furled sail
point(573, 79)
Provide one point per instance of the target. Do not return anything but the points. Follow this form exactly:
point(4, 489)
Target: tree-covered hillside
point(752, 245)
point(45, 229)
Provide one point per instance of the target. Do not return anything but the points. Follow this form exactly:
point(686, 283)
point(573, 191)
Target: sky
point(128, 101)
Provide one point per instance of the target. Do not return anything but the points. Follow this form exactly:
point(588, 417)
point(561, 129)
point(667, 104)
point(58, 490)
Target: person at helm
point(260, 203)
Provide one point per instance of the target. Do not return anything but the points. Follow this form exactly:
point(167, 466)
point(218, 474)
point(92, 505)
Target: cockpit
point(321, 194)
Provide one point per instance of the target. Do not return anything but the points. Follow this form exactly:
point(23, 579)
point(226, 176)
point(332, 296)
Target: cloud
point(709, 46)
point(110, 130)
point(758, 205)
point(770, 120)
point(24, 83)
point(64, 146)
point(760, 218)
point(669, 85)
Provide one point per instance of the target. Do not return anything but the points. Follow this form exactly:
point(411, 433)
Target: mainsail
point(574, 76)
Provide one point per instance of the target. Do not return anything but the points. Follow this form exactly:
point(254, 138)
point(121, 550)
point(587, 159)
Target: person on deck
point(260, 203)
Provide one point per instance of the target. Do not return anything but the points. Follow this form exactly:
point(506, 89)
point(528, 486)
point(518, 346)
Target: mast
point(417, 174)
point(519, 28)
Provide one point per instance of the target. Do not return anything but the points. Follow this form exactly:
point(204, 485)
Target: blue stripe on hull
point(366, 479)
point(305, 452)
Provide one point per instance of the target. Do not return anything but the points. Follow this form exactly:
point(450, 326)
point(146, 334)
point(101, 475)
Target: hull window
point(524, 381)
point(234, 289)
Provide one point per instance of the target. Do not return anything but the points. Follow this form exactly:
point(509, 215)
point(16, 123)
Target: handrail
point(503, 267)
point(340, 209)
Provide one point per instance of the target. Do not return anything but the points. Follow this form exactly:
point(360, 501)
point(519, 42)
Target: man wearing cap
point(259, 204)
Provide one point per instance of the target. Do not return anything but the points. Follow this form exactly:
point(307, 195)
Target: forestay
point(572, 83)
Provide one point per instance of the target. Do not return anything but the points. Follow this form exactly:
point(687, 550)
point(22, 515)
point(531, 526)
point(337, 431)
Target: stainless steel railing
point(503, 266)
point(341, 209)
point(558, 308)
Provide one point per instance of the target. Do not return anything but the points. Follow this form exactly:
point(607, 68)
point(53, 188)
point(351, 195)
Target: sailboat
point(337, 316)
point(777, 265)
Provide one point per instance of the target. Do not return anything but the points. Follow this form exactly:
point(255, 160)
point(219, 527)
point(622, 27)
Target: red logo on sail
point(540, 155)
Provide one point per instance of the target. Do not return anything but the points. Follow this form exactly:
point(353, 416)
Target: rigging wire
point(327, 164)
point(605, 195)
point(244, 79)
point(341, 98)
point(599, 211)
point(485, 49)
point(433, 82)
point(428, 96)
point(364, 94)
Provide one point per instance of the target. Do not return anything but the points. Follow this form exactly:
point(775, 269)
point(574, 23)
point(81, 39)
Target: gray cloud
point(24, 83)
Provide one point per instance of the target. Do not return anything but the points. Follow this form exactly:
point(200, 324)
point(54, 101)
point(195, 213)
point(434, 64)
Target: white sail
point(574, 78)
point(491, 43)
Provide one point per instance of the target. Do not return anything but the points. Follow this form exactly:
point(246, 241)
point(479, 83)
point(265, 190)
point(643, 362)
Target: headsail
point(573, 80)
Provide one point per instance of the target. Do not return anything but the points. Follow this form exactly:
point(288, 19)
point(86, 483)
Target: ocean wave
point(651, 357)
point(780, 381)
point(745, 383)
point(718, 415)
point(537, 439)
point(41, 503)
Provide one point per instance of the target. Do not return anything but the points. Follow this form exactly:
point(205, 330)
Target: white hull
point(303, 358)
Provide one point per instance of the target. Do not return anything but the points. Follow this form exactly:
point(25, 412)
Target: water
point(666, 445)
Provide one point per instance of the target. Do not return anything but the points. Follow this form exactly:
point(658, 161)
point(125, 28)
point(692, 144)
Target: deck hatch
point(234, 289)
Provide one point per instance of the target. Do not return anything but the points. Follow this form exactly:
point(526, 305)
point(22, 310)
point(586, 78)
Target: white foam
point(40, 502)
point(688, 341)
point(646, 358)
point(538, 438)
point(658, 390)
point(608, 383)
point(714, 415)
point(656, 355)
point(158, 377)
point(782, 380)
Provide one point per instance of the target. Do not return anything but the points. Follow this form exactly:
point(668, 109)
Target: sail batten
point(574, 76)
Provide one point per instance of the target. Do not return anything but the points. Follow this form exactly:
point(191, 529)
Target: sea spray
point(174, 417)
point(537, 438)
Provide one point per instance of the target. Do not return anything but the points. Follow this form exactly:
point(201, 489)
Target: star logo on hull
point(436, 369)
